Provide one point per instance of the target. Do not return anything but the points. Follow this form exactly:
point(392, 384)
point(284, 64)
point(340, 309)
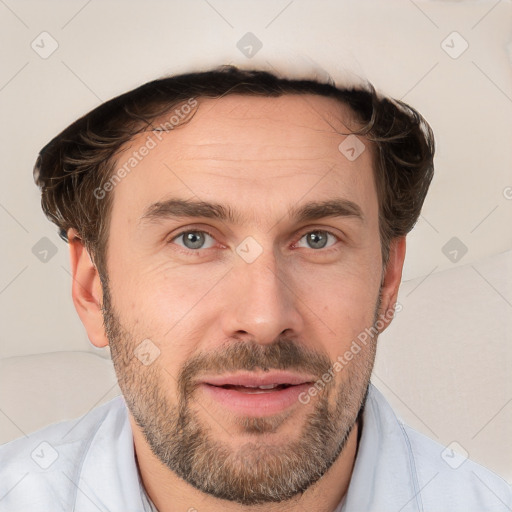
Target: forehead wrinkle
point(199, 127)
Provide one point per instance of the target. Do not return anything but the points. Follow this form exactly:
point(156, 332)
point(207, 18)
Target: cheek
point(163, 302)
point(344, 301)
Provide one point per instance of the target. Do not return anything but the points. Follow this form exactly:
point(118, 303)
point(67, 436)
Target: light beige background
point(446, 361)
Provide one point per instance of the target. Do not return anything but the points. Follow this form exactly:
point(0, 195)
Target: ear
point(86, 290)
point(391, 279)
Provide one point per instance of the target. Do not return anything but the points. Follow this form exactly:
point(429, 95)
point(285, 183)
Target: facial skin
point(210, 312)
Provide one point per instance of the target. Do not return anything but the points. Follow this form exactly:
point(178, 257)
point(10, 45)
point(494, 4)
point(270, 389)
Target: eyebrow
point(186, 208)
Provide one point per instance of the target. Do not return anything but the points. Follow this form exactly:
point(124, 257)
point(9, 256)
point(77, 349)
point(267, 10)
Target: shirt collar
point(383, 476)
point(108, 475)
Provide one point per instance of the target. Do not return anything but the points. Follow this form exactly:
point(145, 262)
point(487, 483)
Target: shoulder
point(441, 477)
point(37, 471)
point(447, 471)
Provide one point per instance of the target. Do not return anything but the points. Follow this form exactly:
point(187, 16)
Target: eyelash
point(186, 251)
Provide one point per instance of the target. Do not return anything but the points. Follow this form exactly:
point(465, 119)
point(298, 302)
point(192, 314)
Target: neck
point(170, 493)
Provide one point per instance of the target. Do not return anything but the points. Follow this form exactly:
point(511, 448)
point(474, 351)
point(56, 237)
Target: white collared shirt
point(88, 465)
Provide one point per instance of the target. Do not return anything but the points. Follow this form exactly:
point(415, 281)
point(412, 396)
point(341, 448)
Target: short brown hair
point(82, 158)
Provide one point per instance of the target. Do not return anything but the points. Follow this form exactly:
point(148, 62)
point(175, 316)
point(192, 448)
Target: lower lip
point(256, 404)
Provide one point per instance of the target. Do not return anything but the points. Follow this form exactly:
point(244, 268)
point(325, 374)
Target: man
point(234, 237)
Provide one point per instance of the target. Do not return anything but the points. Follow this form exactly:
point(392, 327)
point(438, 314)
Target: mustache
point(284, 354)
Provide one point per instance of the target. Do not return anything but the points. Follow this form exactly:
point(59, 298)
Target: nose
point(262, 301)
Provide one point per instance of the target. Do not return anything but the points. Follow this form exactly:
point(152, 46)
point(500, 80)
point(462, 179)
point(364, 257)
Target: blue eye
point(193, 239)
point(318, 239)
point(196, 240)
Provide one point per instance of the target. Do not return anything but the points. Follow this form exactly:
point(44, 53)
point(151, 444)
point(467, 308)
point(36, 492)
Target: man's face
point(214, 306)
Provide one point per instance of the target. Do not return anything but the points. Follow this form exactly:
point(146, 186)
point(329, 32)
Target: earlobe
point(86, 290)
point(392, 277)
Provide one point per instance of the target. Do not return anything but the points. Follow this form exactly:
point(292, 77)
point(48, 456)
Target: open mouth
point(256, 394)
point(256, 389)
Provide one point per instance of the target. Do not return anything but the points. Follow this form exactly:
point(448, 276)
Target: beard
point(256, 472)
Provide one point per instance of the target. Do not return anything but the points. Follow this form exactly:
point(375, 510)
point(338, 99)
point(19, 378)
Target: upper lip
point(252, 379)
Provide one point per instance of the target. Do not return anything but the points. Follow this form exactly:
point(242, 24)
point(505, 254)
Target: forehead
point(246, 122)
point(269, 150)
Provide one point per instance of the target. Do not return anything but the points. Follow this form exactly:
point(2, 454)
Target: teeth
point(263, 388)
